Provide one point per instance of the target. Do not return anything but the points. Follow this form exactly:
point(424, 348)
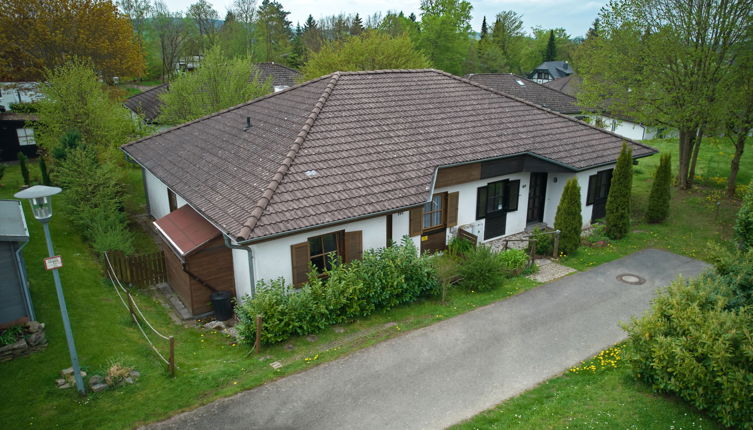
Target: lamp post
point(39, 197)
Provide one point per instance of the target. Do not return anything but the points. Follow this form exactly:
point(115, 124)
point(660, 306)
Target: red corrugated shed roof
point(186, 230)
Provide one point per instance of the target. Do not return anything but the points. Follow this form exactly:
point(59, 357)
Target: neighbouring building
point(282, 76)
point(15, 299)
point(16, 129)
point(549, 70)
point(351, 161)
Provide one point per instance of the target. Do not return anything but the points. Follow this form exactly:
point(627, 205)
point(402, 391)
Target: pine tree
point(593, 32)
point(43, 170)
point(744, 224)
point(551, 48)
point(22, 159)
point(658, 199)
point(484, 29)
point(618, 201)
point(569, 220)
point(356, 27)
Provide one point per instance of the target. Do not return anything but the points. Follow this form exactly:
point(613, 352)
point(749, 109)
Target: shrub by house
point(569, 220)
point(618, 201)
point(658, 198)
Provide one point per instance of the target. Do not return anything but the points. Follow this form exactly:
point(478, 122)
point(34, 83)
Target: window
point(433, 213)
point(322, 248)
point(598, 187)
point(25, 136)
point(497, 196)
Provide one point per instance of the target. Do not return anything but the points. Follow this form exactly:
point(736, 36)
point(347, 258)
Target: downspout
point(229, 244)
point(21, 267)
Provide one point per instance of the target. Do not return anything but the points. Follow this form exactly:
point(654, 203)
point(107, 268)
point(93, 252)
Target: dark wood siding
point(299, 257)
point(353, 245)
point(415, 223)
point(458, 175)
point(213, 264)
point(520, 163)
point(452, 209)
point(176, 277)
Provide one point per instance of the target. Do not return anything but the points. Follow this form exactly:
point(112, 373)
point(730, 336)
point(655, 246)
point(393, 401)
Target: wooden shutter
point(452, 209)
point(481, 203)
point(299, 255)
point(591, 195)
point(353, 245)
point(512, 192)
point(415, 222)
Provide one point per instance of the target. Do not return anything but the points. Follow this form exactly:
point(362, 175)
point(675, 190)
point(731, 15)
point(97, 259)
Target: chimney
point(248, 123)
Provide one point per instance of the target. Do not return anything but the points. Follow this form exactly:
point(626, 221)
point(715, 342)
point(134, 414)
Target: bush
point(544, 241)
point(693, 345)
point(618, 200)
point(459, 247)
point(482, 270)
point(658, 199)
point(744, 223)
point(598, 234)
point(28, 107)
point(513, 261)
point(735, 270)
point(382, 279)
point(22, 162)
point(569, 220)
point(108, 230)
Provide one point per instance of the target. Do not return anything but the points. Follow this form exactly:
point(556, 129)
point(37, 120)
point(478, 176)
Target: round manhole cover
point(629, 278)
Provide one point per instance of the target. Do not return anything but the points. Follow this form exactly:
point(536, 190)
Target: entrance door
point(496, 216)
point(598, 191)
point(536, 197)
point(434, 222)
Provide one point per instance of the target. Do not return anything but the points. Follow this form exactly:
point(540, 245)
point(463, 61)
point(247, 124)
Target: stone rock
point(99, 387)
point(95, 379)
point(34, 326)
point(276, 365)
point(83, 374)
point(215, 325)
point(37, 338)
point(338, 329)
point(232, 331)
point(265, 358)
point(67, 372)
point(289, 347)
point(128, 380)
point(135, 374)
point(312, 338)
point(64, 386)
point(60, 382)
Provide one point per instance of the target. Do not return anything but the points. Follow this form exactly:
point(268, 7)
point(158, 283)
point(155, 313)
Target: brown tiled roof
point(568, 85)
point(528, 90)
point(148, 102)
point(352, 144)
point(186, 230)
point(282, 76)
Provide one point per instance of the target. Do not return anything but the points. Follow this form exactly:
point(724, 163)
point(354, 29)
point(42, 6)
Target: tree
point(446, 33)
point(618, 200)
point(138, 11)
point(204, 16)
point(40, 34)
point(484, 29)
point(43, 171)
point(172, 34)
point(551, 48)
point(274, 30)
point(658, 198)
point(662, 62)
point(744, 223)
point(245, 13)
point(102, 122)
point(568, 219)
point(312, 36)
point(737, 93)
point(370, 51)
point(397, 24)
point(507, 38)
point(356, 26)
point(219, 83)
point(22, 163)
point(594, 30)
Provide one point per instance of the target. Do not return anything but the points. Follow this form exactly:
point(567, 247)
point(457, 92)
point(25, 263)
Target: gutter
point(229, 243)
point(24, 282)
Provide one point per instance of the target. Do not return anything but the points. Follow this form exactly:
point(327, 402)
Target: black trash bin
point(222, 304)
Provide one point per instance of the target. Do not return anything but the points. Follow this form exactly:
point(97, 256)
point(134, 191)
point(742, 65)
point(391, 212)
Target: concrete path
point(439, 375)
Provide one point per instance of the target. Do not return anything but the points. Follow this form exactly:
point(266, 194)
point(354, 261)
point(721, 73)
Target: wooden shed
point(197, 260)
point(15, 300)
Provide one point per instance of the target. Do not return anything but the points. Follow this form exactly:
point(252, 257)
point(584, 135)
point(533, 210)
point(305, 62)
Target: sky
point(575, 16)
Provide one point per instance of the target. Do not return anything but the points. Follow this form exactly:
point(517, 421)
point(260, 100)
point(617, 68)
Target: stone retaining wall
point(32, 339)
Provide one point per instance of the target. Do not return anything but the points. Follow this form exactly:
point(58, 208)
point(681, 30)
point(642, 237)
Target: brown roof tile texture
point(529, 90)
point(147, 103)
point(186, 229)
point(353, 144)
point(282, 76)
point(568, 85)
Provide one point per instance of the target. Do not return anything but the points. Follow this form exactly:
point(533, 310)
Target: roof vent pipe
point(248, 123)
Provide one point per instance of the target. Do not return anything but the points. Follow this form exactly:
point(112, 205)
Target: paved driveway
point(439, 375)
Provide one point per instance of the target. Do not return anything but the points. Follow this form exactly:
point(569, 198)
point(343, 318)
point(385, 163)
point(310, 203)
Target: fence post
point(257, 344)
point(531, 252)
point(171, 360)
point(556, 247)
point(130, 304)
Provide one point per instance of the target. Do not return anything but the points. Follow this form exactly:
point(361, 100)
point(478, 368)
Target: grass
point(209, 365)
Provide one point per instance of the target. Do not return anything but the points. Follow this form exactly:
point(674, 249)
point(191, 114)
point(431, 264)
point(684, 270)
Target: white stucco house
point(355, 160)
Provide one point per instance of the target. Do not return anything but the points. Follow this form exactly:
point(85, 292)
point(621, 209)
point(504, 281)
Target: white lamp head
point(39, 199)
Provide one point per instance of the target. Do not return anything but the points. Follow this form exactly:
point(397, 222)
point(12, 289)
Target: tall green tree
point(312, 36)
point(370, 51)
point(220, 82)
point(274, 31)
point(662, 62)
point(737, 93)
point(205, 18)
point(446, 33)
point(658, 198)
point(484, 29)
point(356, 26)
point(172, 34)
point(618, 200)
point(744, 223)
point(569, 219)
point(551, 48)
point(508, 40)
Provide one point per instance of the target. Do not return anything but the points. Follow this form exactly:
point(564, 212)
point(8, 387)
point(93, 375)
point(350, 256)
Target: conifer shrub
point(569, 220)
point(658, 198)
point(744, 223)
point(618, 200)
point(44, 172)
point(22, 162)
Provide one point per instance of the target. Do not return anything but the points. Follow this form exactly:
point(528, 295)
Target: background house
point(549, 70)
point(15, 299)
point(16, 128)
point(352, 161)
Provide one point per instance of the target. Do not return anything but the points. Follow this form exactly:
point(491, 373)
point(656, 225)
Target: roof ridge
point(494, 91)
point(261, 205)
point(231, 108)
point(156, 87)
point(278, 64)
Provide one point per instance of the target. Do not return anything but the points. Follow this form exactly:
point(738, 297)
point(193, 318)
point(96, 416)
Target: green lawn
point(210, 367)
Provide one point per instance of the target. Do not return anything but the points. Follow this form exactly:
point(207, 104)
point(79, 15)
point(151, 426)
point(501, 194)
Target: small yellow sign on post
point(52, 263)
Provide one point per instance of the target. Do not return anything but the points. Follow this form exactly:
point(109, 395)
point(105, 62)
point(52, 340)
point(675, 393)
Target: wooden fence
point(139, 270)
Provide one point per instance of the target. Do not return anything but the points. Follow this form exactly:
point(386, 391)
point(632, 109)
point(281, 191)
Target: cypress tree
point(24, 168)
point(618, 200)
point(43, 170)
point(484, 29)
point(658, 199)
point(744, 223)
point(551, 48)
point(569, 220)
